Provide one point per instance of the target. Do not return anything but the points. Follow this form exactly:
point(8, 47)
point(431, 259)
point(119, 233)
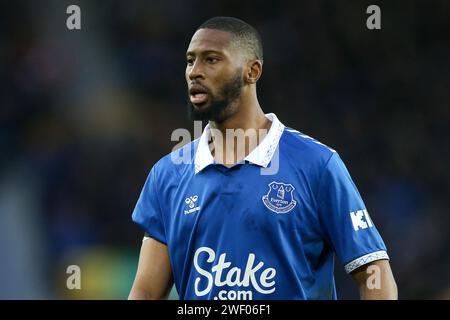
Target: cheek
point(186, 74)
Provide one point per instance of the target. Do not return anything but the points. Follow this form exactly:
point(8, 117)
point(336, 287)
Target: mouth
point(198, 95)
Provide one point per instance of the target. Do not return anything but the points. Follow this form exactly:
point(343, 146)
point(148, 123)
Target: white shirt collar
point(261, 155)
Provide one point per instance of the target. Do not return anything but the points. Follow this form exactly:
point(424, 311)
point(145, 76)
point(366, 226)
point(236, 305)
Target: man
point(261, 221)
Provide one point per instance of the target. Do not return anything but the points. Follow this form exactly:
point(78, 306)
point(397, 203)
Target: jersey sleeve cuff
point(358, 262)
point(155, 236)
point(153, 232)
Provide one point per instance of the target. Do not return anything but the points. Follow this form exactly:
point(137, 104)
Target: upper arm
point(375, 280)
point(346, 223)
point(154, 274)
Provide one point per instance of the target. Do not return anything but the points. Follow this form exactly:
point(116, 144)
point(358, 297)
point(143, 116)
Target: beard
point(220, 106)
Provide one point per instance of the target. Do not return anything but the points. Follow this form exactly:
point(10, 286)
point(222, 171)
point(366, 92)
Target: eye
point(212, 60)
point(189, 61)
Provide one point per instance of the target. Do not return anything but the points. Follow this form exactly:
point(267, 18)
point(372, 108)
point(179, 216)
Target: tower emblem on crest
point(280, 198)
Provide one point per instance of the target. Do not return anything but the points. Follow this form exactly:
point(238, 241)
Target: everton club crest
point(280, 198)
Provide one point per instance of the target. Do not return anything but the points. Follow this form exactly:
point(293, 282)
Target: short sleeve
point(345, 220)
point(147, 212)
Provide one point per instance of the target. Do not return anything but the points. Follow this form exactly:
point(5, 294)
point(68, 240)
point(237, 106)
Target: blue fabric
point(233, 233)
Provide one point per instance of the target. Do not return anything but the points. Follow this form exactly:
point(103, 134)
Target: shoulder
point(177, 162)
point(316, 161)
point(305, 149)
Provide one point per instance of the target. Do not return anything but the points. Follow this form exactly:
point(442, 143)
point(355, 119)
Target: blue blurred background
point(85, 114)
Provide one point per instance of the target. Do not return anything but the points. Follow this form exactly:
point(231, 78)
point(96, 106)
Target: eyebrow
point(192, 53)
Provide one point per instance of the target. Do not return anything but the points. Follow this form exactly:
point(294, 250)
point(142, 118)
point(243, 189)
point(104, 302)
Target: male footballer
point(263, 221)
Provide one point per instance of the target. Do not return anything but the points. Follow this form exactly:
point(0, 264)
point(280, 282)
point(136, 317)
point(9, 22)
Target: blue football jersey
point(266, 228)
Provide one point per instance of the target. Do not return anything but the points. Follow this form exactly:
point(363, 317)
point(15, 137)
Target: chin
point(199, 112)
point(201, 107)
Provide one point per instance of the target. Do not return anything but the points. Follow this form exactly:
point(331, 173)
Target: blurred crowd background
point(85, 114)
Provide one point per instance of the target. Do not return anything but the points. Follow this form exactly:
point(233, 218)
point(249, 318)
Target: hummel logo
point(190, 201)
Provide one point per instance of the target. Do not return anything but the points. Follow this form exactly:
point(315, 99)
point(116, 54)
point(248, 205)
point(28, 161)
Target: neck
point(249, 115)
point(229, 145)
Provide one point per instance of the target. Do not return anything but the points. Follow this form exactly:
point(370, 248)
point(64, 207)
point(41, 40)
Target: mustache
point(197, 85)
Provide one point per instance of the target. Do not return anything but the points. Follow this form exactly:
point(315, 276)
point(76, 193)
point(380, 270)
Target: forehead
point(209, 39)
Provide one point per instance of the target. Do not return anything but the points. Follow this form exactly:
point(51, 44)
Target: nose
point(195, 71)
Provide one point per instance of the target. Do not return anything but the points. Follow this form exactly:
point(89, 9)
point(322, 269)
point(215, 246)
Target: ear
point(253, 71)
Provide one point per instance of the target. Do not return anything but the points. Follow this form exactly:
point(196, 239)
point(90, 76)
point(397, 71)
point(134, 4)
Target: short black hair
point(244, 35)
